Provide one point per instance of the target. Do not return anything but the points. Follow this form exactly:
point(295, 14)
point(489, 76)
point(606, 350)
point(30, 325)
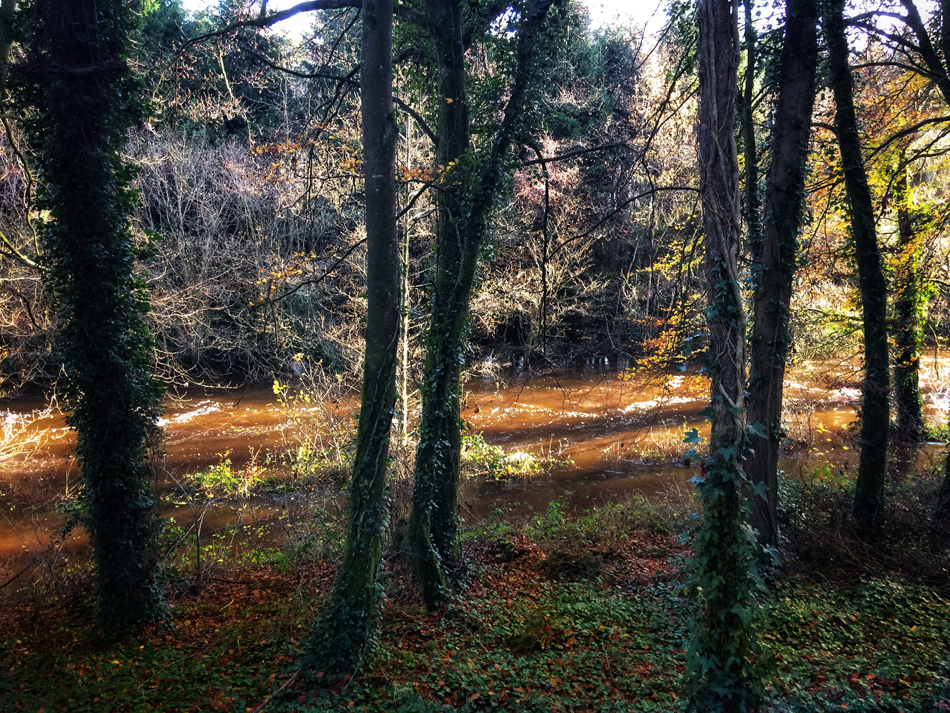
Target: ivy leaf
point(692, 437)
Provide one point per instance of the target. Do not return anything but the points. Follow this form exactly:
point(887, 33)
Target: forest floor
point(585, 613)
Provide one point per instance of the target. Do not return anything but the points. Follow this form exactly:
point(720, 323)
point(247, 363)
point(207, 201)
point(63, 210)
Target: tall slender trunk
point(869, 499)
point(405, 304)
point(747, 114)
point(943, 498)
point(464, 202)
point(774, 257)
point(342, 634)
point(721, 663)
point(909, 305)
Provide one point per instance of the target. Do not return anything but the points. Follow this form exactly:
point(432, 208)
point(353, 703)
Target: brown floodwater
point(615, 434)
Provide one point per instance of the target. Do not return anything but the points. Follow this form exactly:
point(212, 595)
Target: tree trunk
point(749, 147)
point(466, 197)
point(943, 498)
point(869, 499)
point(774, 257)
point(909, 305)
point(721, 662)
point(433, 522)
point(78, 81)
point(7, 20)
point(342, 634)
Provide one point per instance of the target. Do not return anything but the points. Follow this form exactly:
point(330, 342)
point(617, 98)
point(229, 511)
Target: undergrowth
point(481, 458)
point(566, 612)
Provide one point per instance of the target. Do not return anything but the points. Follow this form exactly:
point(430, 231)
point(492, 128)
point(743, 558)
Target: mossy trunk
point(343, 633)
point(774, 258)
point(909, 305)
point(943, 501)
point(465, 199)
point(433, 522)
point(869, 499)
point(85, 99)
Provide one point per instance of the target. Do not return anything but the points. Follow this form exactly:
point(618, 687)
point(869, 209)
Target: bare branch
point(316, 281)
point(275, 17)
point(346, 79)
point(571, 154)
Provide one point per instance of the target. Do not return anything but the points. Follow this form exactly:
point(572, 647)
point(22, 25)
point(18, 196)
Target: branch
point(348, 80)
point(15, 577)
point(16, 254)
point(275, 17)
point(620, 207)
point(317, 281)
point(909, 130)
point(571, 154)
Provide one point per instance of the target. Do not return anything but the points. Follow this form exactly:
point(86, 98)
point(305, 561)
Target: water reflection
point(622, 434)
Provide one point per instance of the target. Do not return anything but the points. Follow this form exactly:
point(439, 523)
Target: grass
point(603, 630)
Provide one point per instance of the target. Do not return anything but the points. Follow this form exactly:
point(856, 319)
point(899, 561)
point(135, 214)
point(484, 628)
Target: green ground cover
point(583, 613)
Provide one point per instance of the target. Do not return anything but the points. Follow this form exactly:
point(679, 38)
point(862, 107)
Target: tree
point(722, 670)
point(943, 498)
point(465, 199)
point(82, 99)
point(344, 630)
point(910, 302)
point(774, 256)
point(869, 499)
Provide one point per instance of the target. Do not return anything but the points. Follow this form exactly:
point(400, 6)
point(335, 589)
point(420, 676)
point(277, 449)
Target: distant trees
point(81, 99)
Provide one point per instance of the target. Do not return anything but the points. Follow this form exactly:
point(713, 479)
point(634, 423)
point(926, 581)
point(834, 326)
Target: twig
point(276, 693)
point(16, 576)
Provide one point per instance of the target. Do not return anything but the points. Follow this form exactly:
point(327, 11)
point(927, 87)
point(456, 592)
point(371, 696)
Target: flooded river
point(614, 434)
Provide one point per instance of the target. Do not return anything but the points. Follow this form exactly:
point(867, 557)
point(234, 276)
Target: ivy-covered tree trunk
point(909, 305)
point(433, 522)
point(722, 670)
point(343, 632)
point(774, 258)
point(83, 99)
point(869, 499)
point(465, 199)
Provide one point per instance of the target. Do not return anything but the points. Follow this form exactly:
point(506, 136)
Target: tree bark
point(464, 202)
point(343, 632)
point(721, 663)
point(774, 258)
point(78, 130)
point(433, 522)
point(749, 147)
point(909, 305)
point(943, 498)
point(869, 500)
